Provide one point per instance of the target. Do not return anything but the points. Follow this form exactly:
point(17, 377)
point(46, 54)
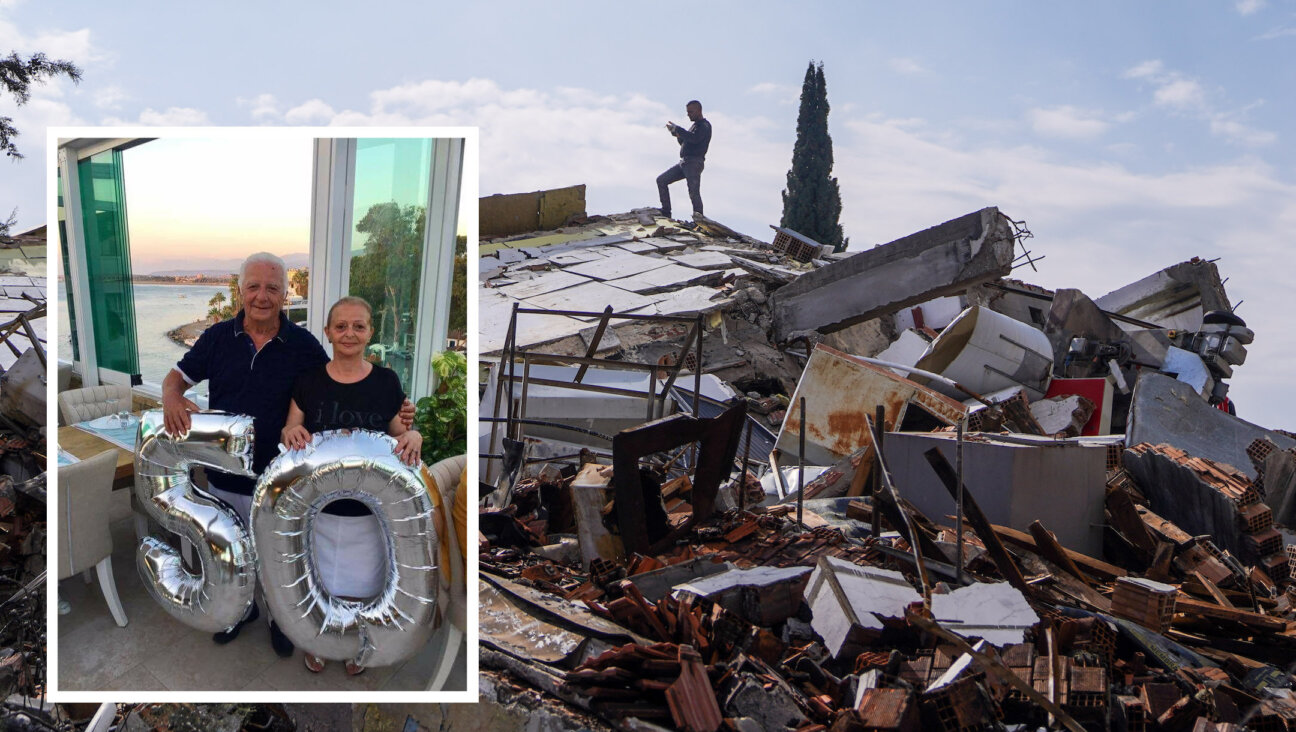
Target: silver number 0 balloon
point(219, 593)
point(379, 631)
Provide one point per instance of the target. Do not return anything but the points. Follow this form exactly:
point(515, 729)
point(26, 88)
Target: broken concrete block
point(1176, 297)
point(591, 491)
point(985, 351)
point(840, 390)
point(657, 583)
point(1097, 391)
point(1166, 411)
point(772, 706)
point(994, 611)
point(761, 595)
point(939, 261)
point(1015, 479)
point(1062, 416)
point(851, 604)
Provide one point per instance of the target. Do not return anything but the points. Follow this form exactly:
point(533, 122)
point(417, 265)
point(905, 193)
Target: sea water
point(158, 309)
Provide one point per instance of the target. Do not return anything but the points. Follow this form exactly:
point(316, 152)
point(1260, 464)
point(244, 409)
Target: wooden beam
point(1094, 567)
point(1051, 550)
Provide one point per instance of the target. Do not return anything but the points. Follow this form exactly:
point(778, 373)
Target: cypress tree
point(812, 201)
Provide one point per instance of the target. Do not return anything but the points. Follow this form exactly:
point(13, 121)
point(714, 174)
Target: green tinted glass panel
point(107, 257)
point(391, 194)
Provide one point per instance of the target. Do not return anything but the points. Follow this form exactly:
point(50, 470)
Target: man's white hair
point(264, 258)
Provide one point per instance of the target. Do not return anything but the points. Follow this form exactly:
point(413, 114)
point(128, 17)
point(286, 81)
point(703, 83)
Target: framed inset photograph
point(262, 362)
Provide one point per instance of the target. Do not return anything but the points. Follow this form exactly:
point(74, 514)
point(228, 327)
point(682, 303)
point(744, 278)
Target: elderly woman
point(349, 393)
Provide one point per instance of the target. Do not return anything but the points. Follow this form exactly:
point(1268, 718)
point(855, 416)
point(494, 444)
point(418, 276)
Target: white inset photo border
point(196, 202)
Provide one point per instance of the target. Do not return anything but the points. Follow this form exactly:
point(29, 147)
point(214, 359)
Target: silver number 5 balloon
point(217, 595)
point(377, 631)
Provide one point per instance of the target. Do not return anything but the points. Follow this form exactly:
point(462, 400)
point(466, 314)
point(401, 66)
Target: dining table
point(89, 438)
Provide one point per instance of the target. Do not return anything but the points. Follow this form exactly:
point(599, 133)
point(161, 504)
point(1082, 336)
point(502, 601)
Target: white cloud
point(1170, 88)
point(262, 107)
point(1177, 92)
point(1239, 133)
point(73, 45)
point(110, 97)
point(1067, 122)
point(314, 111)
point(170, 117)
point(906, 66)
point(781, 93)
point(1180, 94)
point(1145, 70)
point(1282, 32)
point(1247, 7)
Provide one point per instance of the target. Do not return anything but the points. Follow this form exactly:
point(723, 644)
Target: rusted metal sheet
point(839, 391)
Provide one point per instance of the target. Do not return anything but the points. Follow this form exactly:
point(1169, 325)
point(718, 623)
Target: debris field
point(731, 484)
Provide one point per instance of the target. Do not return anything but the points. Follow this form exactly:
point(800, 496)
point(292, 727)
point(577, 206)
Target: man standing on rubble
point(693, 144)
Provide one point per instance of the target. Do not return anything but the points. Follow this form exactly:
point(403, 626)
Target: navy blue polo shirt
point(242, 380)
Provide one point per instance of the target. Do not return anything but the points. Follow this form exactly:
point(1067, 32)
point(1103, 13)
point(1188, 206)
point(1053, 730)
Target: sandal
point(354, 670)
point(314, 664)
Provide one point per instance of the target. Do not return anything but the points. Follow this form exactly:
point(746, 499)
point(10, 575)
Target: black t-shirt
point(369, 404)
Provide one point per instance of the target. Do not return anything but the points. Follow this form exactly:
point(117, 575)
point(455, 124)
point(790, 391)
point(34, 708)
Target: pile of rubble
point(23, 389)
point(894, 490)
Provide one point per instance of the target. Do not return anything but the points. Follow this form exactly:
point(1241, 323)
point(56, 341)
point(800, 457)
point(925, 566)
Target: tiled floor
point(154, 652)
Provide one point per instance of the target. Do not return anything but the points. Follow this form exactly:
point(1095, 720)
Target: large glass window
point(390, 215)
point(108, 266)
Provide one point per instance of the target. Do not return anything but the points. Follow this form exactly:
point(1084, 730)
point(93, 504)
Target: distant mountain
point(215, 267)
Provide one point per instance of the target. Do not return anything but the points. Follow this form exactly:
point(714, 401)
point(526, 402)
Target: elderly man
point(250, 363)
point(693, 143)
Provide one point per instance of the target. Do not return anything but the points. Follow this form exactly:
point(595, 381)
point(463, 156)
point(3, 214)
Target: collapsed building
point(736, 484)
point(22, 484)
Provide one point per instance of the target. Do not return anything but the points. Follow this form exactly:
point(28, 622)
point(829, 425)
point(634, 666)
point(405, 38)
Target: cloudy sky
point(1127, 136)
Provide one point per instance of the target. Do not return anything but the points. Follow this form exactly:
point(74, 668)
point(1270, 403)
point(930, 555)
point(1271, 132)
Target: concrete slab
point(1176, 297)
point(636, 247)
point(769, 272)
point(493, 315)
point(542, 283)
point(762, 595)
point(591, 296)
point(657, 583)
point(995, 611)
point(618, 265)
point(667, 245)
point(663, 278)
point(696, 299)
point(849, 602)
point(571, 258)
point(704, 260)
point(1167, 411)
point(939, 261)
